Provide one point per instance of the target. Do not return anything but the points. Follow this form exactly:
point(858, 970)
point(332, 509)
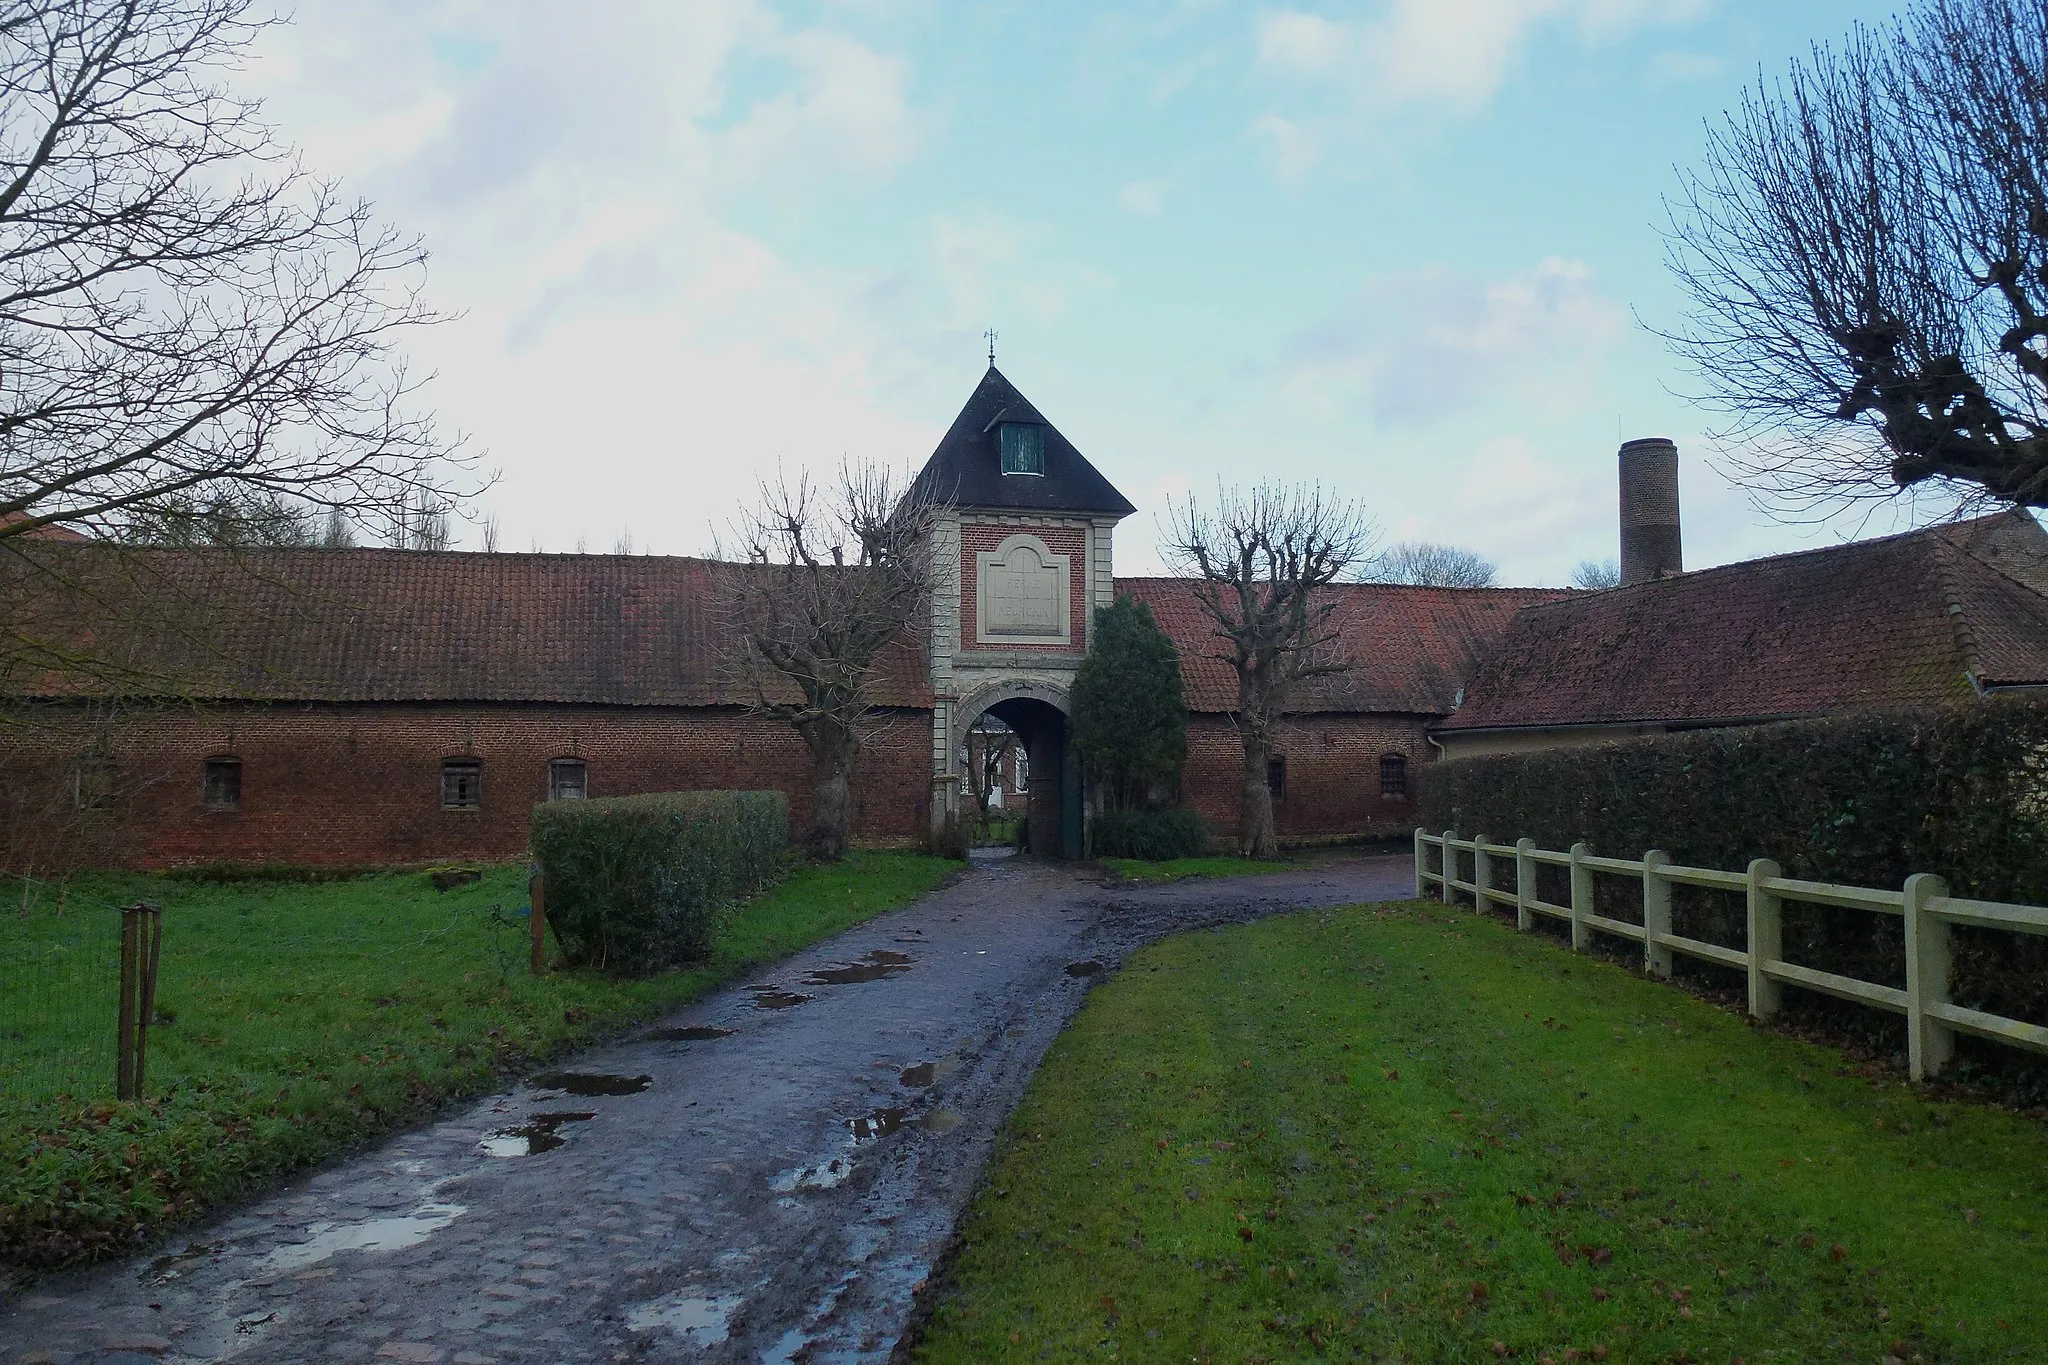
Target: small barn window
point(1023, 448)
point(462, 783)
point(1276, 778)
point(1393, 775)
point(220, 786)
point(92, 781)
point(568, 779)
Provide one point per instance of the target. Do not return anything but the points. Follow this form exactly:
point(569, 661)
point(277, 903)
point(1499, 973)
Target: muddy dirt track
point(767, 1176)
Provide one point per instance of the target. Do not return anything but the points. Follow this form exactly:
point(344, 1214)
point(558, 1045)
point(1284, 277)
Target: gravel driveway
point(768, 1176)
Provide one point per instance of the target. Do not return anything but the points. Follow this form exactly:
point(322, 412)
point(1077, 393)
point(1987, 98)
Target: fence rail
point(1932, 1018)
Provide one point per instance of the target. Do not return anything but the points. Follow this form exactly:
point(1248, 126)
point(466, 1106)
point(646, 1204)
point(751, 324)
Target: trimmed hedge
point(638, 884)
point(1153, 835)
point(1863, 799)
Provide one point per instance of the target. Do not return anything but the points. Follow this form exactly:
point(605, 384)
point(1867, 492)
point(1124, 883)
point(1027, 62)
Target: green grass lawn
point(304, 1018)
point(1406, 1133)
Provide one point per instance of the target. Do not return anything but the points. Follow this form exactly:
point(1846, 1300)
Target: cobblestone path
point(768, 1176)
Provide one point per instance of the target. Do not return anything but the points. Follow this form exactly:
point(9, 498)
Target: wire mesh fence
point(60, 974)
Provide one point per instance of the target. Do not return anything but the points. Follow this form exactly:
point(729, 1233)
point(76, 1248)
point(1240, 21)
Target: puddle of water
point(822, 1176)
point(1087, 968)
point(535, 1135)
point(167, 1267)
point(589, 1083)
point(702, 1320)
point(879, 1124)
point(698, 1034)
point(376, 1234)
point(926, 1073)
point(941, 1121)
point(777, 1000)
point(876, 965)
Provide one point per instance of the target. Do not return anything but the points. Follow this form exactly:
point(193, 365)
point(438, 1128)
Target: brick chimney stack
point(1649, 511)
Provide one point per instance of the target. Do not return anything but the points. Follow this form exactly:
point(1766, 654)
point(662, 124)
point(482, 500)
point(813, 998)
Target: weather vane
point(991, 335)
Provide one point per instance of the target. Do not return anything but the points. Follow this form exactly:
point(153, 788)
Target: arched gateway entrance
point(1053, 793)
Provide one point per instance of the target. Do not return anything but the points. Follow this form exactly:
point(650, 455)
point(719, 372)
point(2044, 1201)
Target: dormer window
point(1023, 448)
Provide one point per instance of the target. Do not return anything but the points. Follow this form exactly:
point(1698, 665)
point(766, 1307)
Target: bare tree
point(827, 583)
point(1866, 250)
point(989, 745)
point(1262, 562)
point(1593, 575)
point(1425, 564)
point(188, 318)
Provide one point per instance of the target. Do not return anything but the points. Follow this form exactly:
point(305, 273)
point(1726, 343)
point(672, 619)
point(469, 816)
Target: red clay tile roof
point(1412, 649)
point(398, 625)
point(1900, 620)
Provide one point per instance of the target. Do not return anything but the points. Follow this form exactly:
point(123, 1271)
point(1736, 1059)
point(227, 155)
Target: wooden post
point(1766, 939)
point(537, 890)
point(150, 927)
point(1525, 883)
point(1656, 912)
point(1482, 872)
point(1421, 862)
point(1929, 1043)
point(1582, 896)
point(1450, 865)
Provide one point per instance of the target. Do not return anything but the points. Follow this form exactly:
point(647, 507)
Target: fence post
point(1525, 883)
point(1421, 862)
point(1482, 872)
point(1656, 912)
point(537, 890)
point(1450, 865)
point(131, 974)
point(1766, 939)
point(1582, 896)
point(1929, 1043)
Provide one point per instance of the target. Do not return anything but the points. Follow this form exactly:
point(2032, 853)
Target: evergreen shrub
point(1863, 799)
point(639, 884)
point(1129, 716)
point(1153, 835)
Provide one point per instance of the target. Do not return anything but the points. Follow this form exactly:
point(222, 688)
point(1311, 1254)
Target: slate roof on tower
point(966, 469)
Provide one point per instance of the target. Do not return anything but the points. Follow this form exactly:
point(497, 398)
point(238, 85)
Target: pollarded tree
point(1866, 249)
point(1129, 717)
point(828, 582)
point(1263, 562)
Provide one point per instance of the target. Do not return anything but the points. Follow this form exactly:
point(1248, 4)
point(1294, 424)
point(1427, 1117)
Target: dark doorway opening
point(1053, 780)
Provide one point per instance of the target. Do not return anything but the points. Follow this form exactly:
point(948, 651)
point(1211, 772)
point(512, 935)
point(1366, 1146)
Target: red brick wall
point(1333, 773)
point(1061, 540)
point(361, 783)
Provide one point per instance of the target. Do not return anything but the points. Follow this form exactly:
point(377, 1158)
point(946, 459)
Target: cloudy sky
point(1408, 248)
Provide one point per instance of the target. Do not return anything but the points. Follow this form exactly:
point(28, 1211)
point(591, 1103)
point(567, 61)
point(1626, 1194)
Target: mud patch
point(532, 1137)
point(590, 1083)
point(1089, 967)
point(876, 965)
point(778, 1000)
point(171, 1266)
point(702, 1320)
point(941, 1121)
point(697, 1034)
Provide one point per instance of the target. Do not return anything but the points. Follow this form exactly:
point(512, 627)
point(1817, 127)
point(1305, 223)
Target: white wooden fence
point(1932, 1020)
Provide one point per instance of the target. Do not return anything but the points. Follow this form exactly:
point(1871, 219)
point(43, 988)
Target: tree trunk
point(1255, 834)
point(831, 745)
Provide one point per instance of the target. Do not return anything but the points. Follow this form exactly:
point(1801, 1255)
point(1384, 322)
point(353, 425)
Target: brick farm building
point(370, 706)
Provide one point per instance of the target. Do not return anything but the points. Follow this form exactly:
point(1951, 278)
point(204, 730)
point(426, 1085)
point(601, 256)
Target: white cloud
point(1293, 148)
point(1143, 198)
point(1414, 346)
point(1449, 51)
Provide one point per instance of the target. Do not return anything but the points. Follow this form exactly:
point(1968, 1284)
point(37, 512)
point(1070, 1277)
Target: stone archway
point(1037, 712)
